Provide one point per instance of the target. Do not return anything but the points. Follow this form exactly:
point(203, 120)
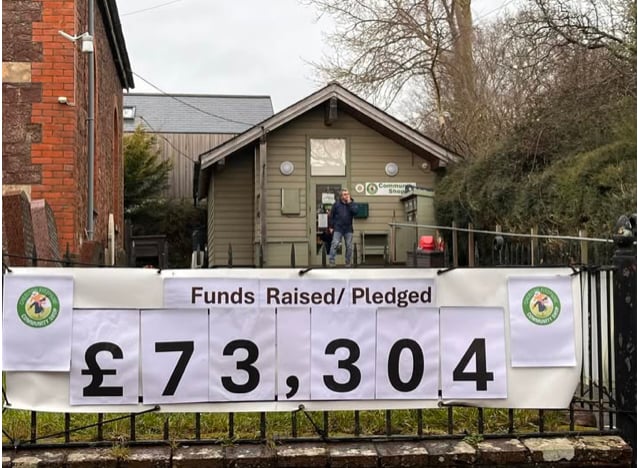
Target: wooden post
point(263, 156)
point(470, 245)
point(455, 246)
point(393, 233)
point(498, 246)
point(584, 247)
point(533, 246)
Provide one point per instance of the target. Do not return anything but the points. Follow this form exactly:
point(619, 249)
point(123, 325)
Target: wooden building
point(268, 189)
point(186, 125)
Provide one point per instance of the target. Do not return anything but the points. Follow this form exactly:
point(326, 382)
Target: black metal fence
point(595, 407)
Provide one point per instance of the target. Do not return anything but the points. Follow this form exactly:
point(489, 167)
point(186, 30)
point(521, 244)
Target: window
point(327, 157)
point(129, 112)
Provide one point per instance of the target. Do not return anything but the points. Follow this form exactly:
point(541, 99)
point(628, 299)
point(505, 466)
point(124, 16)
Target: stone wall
point(30, 237)
point(17, 229)
point(585, 451)
point(45, 234)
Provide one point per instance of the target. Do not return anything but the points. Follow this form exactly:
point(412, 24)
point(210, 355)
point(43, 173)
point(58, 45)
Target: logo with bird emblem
point(541, 305)
point(38, 307)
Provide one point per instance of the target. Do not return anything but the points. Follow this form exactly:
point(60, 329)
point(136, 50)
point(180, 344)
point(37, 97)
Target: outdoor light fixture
point(86, 40)
point(286, 168)
point(391, 169)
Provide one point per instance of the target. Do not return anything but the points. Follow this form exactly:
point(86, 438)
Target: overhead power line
point(188, 104)
point(179, 152)
point(155, 7)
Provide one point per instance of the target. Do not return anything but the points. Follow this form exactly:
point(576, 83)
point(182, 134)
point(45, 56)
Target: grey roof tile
point(196, 113)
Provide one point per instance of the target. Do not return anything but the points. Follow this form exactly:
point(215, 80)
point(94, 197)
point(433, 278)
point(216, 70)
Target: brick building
point(45, 113)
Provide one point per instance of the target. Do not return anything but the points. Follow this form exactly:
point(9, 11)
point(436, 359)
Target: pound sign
point(94, 389)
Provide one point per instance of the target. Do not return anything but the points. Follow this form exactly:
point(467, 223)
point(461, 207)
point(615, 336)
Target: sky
point(232, 47)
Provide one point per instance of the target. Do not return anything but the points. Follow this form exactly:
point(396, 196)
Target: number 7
point(186, 348)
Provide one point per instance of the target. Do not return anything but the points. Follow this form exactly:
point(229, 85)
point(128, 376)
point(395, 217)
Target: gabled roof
point(113, 27)
point(359, 108)
point(196, 113)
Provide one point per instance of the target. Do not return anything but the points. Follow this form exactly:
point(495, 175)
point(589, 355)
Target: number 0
point(417, 365)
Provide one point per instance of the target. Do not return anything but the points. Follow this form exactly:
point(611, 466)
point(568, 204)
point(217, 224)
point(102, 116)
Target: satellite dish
point(111, 240)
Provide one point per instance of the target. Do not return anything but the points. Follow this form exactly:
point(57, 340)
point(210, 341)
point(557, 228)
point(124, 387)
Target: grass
point(215, 426)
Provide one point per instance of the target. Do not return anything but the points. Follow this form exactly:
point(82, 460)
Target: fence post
point(470, 245)
point(584, 247)
point(624, 261)
point(324, 253)
point(292, 256)
point(455, 245)
point(533, 246)
point(497, 244)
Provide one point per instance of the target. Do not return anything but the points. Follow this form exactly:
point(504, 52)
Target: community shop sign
point(388, 188)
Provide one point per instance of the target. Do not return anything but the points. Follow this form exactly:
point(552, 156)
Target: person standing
point(340, 220)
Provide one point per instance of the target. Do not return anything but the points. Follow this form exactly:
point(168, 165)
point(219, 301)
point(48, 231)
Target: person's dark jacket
point(341, 216)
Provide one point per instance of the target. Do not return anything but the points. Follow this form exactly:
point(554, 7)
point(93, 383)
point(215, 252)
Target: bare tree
point(385, 48)
point(468, 85)
point(592, 24)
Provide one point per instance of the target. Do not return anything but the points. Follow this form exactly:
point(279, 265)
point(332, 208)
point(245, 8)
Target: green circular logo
point(38, 307)
point(541, 305)
point(371, 189)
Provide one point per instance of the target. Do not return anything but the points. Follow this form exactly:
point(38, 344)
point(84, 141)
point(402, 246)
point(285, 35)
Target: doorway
point(323, 195)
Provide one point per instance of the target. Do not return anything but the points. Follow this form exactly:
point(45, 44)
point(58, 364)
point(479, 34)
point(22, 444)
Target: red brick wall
point(46, 142)
point(56, 151)
point(109, 174)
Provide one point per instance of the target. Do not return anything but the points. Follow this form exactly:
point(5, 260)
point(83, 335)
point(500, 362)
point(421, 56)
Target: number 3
point(347, 364)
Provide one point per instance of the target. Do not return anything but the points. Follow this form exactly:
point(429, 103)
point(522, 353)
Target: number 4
point(480, 375)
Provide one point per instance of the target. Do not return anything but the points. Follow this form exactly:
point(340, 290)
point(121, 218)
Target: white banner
point(542, 322)
point(36, 321)
point(328, 339)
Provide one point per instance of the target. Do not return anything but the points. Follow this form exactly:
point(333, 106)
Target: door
point(323, 195)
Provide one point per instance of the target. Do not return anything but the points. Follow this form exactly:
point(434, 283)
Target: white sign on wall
point(395, 189)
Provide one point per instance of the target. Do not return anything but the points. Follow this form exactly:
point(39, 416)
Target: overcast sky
point(247, 47)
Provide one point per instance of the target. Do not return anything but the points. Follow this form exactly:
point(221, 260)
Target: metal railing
point(593, 410)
